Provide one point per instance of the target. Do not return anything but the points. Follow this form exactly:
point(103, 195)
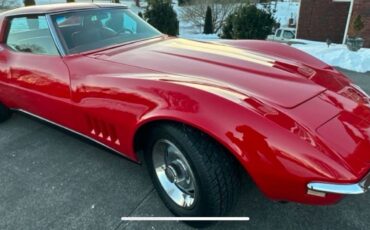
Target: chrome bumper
point(351, 189)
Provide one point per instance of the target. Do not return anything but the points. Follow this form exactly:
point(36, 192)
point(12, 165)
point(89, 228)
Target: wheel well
point(142, 133)
point(141, 136)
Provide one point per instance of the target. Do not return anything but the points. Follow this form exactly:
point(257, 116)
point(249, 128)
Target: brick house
point(323, 19)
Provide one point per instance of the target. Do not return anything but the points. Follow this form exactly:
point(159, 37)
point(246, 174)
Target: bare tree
point(8, 3)
point(195, 12)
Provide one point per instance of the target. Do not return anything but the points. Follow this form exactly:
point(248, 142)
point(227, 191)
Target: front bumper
point(350, 189)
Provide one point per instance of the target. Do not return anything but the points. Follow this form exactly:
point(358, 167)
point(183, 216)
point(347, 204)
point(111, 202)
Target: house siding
point(320, 20)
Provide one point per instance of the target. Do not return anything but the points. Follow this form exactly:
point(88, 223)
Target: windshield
point(93, 29)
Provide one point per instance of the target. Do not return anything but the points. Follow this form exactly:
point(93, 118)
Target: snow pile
point(337, 55)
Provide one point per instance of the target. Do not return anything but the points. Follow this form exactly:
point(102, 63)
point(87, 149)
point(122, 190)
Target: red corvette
point(199, 113)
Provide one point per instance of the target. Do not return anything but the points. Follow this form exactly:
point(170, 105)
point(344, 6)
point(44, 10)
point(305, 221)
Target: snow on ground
point(337, 55)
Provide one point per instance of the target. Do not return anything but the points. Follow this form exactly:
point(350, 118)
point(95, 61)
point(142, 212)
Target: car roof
point(55, 8)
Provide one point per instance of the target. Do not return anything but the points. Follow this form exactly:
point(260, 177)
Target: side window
point(278, 33)
point(288, 35)
point(31, 34)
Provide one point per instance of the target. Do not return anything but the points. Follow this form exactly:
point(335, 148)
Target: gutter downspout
point(299, 12)
point(348, 21)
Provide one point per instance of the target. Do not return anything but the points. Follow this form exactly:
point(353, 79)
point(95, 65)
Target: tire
point(213, 172)
point(5, 113)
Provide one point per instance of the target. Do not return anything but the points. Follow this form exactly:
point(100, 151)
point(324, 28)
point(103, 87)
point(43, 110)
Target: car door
point(37, 77)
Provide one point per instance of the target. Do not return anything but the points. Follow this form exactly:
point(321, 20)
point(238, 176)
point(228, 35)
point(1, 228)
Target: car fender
point(271, 155)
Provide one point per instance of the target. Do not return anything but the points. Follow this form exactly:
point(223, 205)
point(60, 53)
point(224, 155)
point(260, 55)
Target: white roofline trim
point(348, 20)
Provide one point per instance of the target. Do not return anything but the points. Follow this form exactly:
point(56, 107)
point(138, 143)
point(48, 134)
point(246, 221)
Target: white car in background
point(283, 35)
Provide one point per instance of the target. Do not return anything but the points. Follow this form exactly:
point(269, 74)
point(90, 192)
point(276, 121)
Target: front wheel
point(193, 174)
point(5, 113)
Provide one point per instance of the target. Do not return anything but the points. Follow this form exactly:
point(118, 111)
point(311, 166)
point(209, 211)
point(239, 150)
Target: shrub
point(248, 22)
point(208, 23)
point(162, 16)
point(227, 28)
point(358, 25)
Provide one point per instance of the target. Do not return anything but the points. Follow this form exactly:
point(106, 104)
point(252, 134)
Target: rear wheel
point(193, 174)
point(4, 113)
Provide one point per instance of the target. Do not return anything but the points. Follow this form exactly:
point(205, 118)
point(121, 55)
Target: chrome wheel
point(174, 173)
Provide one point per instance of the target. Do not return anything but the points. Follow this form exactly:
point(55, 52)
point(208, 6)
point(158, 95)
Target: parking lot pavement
point(362, 79)
point(51, 179)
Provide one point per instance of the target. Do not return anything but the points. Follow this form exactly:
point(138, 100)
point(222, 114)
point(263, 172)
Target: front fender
point(279, 162)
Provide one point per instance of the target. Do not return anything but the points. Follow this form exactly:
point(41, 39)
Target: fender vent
point(102, 130)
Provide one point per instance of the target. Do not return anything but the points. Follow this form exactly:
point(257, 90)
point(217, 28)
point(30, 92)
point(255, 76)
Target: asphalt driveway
point(52, 179)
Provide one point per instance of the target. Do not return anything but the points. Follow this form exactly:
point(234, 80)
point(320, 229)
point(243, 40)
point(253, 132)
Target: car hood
point(265, 77)
point(328, 120)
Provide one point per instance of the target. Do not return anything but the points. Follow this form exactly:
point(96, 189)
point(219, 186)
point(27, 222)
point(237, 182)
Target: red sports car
point(200, 114)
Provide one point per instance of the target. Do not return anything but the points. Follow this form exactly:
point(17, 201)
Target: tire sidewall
point(202, 204)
